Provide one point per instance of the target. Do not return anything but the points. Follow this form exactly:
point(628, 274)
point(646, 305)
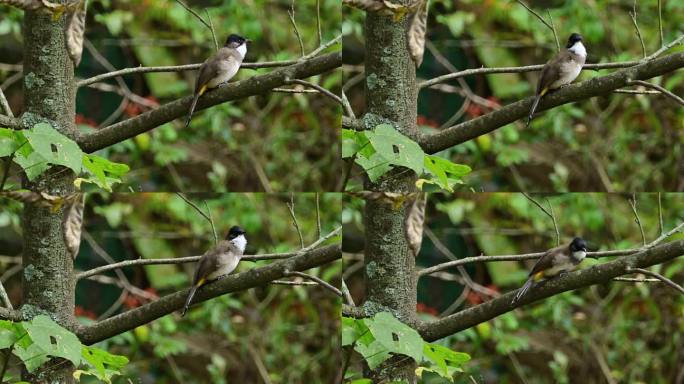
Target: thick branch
point(175, 109)
point(595, 87)
point(10, 122)
point(10, 314)
point(598, 274)
point(254, 277)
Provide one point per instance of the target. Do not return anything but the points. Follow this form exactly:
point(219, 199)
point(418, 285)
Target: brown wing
point(549, 73)
point(205, 265)
point(204, 74)
point(546, 260)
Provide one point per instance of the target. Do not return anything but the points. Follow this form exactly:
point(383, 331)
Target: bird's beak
point(248, 41)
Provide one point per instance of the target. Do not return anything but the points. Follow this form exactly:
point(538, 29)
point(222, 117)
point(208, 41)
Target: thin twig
point(347, 106)
point(286, 282)
point(211, 26)
point(320, 34)
point(464, 274)
point(182, 196)
point(555, 225)
point(5, 301)
point(535, 14)
point(658, 88)
point(633, 204)
point(211, 221)
point(664, 236)
point(296, 90)
point(636, 280)
point(665, 48)
point(553, 29)
point(347, 295)
point(193, 13)
point(316, 87)
point(291, 13)
point(175, 68)
point(5, 105)
point(633, 15)
point(549, 214)
point(520, 257)
point(660, 23)
point(637, 92)
point(318, 216)
point(192, 259)
point(661, 228)
point(322, 48)
point(657, 276)
point(528, 68)
point(290, 207)
point(320, 281)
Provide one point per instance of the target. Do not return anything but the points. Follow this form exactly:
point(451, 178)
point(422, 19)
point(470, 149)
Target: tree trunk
point(391, 94)
point(48, 283)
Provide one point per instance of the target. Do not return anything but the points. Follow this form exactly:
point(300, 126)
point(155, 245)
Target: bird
point(561, 70)
point(556, 261)
point(219, 68)
point(218, 262)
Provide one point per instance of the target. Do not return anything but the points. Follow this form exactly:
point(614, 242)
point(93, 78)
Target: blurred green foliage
point(616, 142)
point(572, 337)
point(235, 338)
point(252, 144)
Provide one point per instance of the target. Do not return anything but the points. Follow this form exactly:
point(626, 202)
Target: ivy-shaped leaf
point(396, 148)
point(53, 339)
point(55, 147)
point(396, 336)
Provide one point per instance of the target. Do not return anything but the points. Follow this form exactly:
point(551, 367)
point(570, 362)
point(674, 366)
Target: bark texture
point(47, 281)
point(391, 94)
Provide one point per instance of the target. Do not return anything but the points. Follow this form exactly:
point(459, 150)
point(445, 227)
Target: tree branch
point(10, 122)
point(254, 277)
point(10, 314)
point(658, 276)
point(597, 274)
point(595, 87)
point(178, 108)
point(175, 68)
point(192, 259)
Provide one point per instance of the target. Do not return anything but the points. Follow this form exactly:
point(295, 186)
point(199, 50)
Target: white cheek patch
point(240, 242)
point(242, 50)
point(578, 49)
point(579, 255)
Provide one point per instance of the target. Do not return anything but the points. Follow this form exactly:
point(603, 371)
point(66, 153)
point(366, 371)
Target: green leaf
point(396, 336)
point(33, 165)
point(396, 148)
point(8, 142)
point(353, 330)
point(107, 173)
point(106, 365)
point(375, 166)
point(349, 147)
point(55, 147)
point(374, 353)
point(7, 338)
point(53, 339)
point(457, 358)
point(33, 356)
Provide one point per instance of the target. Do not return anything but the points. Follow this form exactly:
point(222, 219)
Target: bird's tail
point(192, 108)
point(523, 290)
point(189, 299)
point(534, 108)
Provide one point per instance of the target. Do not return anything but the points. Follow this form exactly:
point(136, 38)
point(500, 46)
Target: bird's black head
point(234, 232)
point(575, 37)
point(578, 244)
point(235, 41)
